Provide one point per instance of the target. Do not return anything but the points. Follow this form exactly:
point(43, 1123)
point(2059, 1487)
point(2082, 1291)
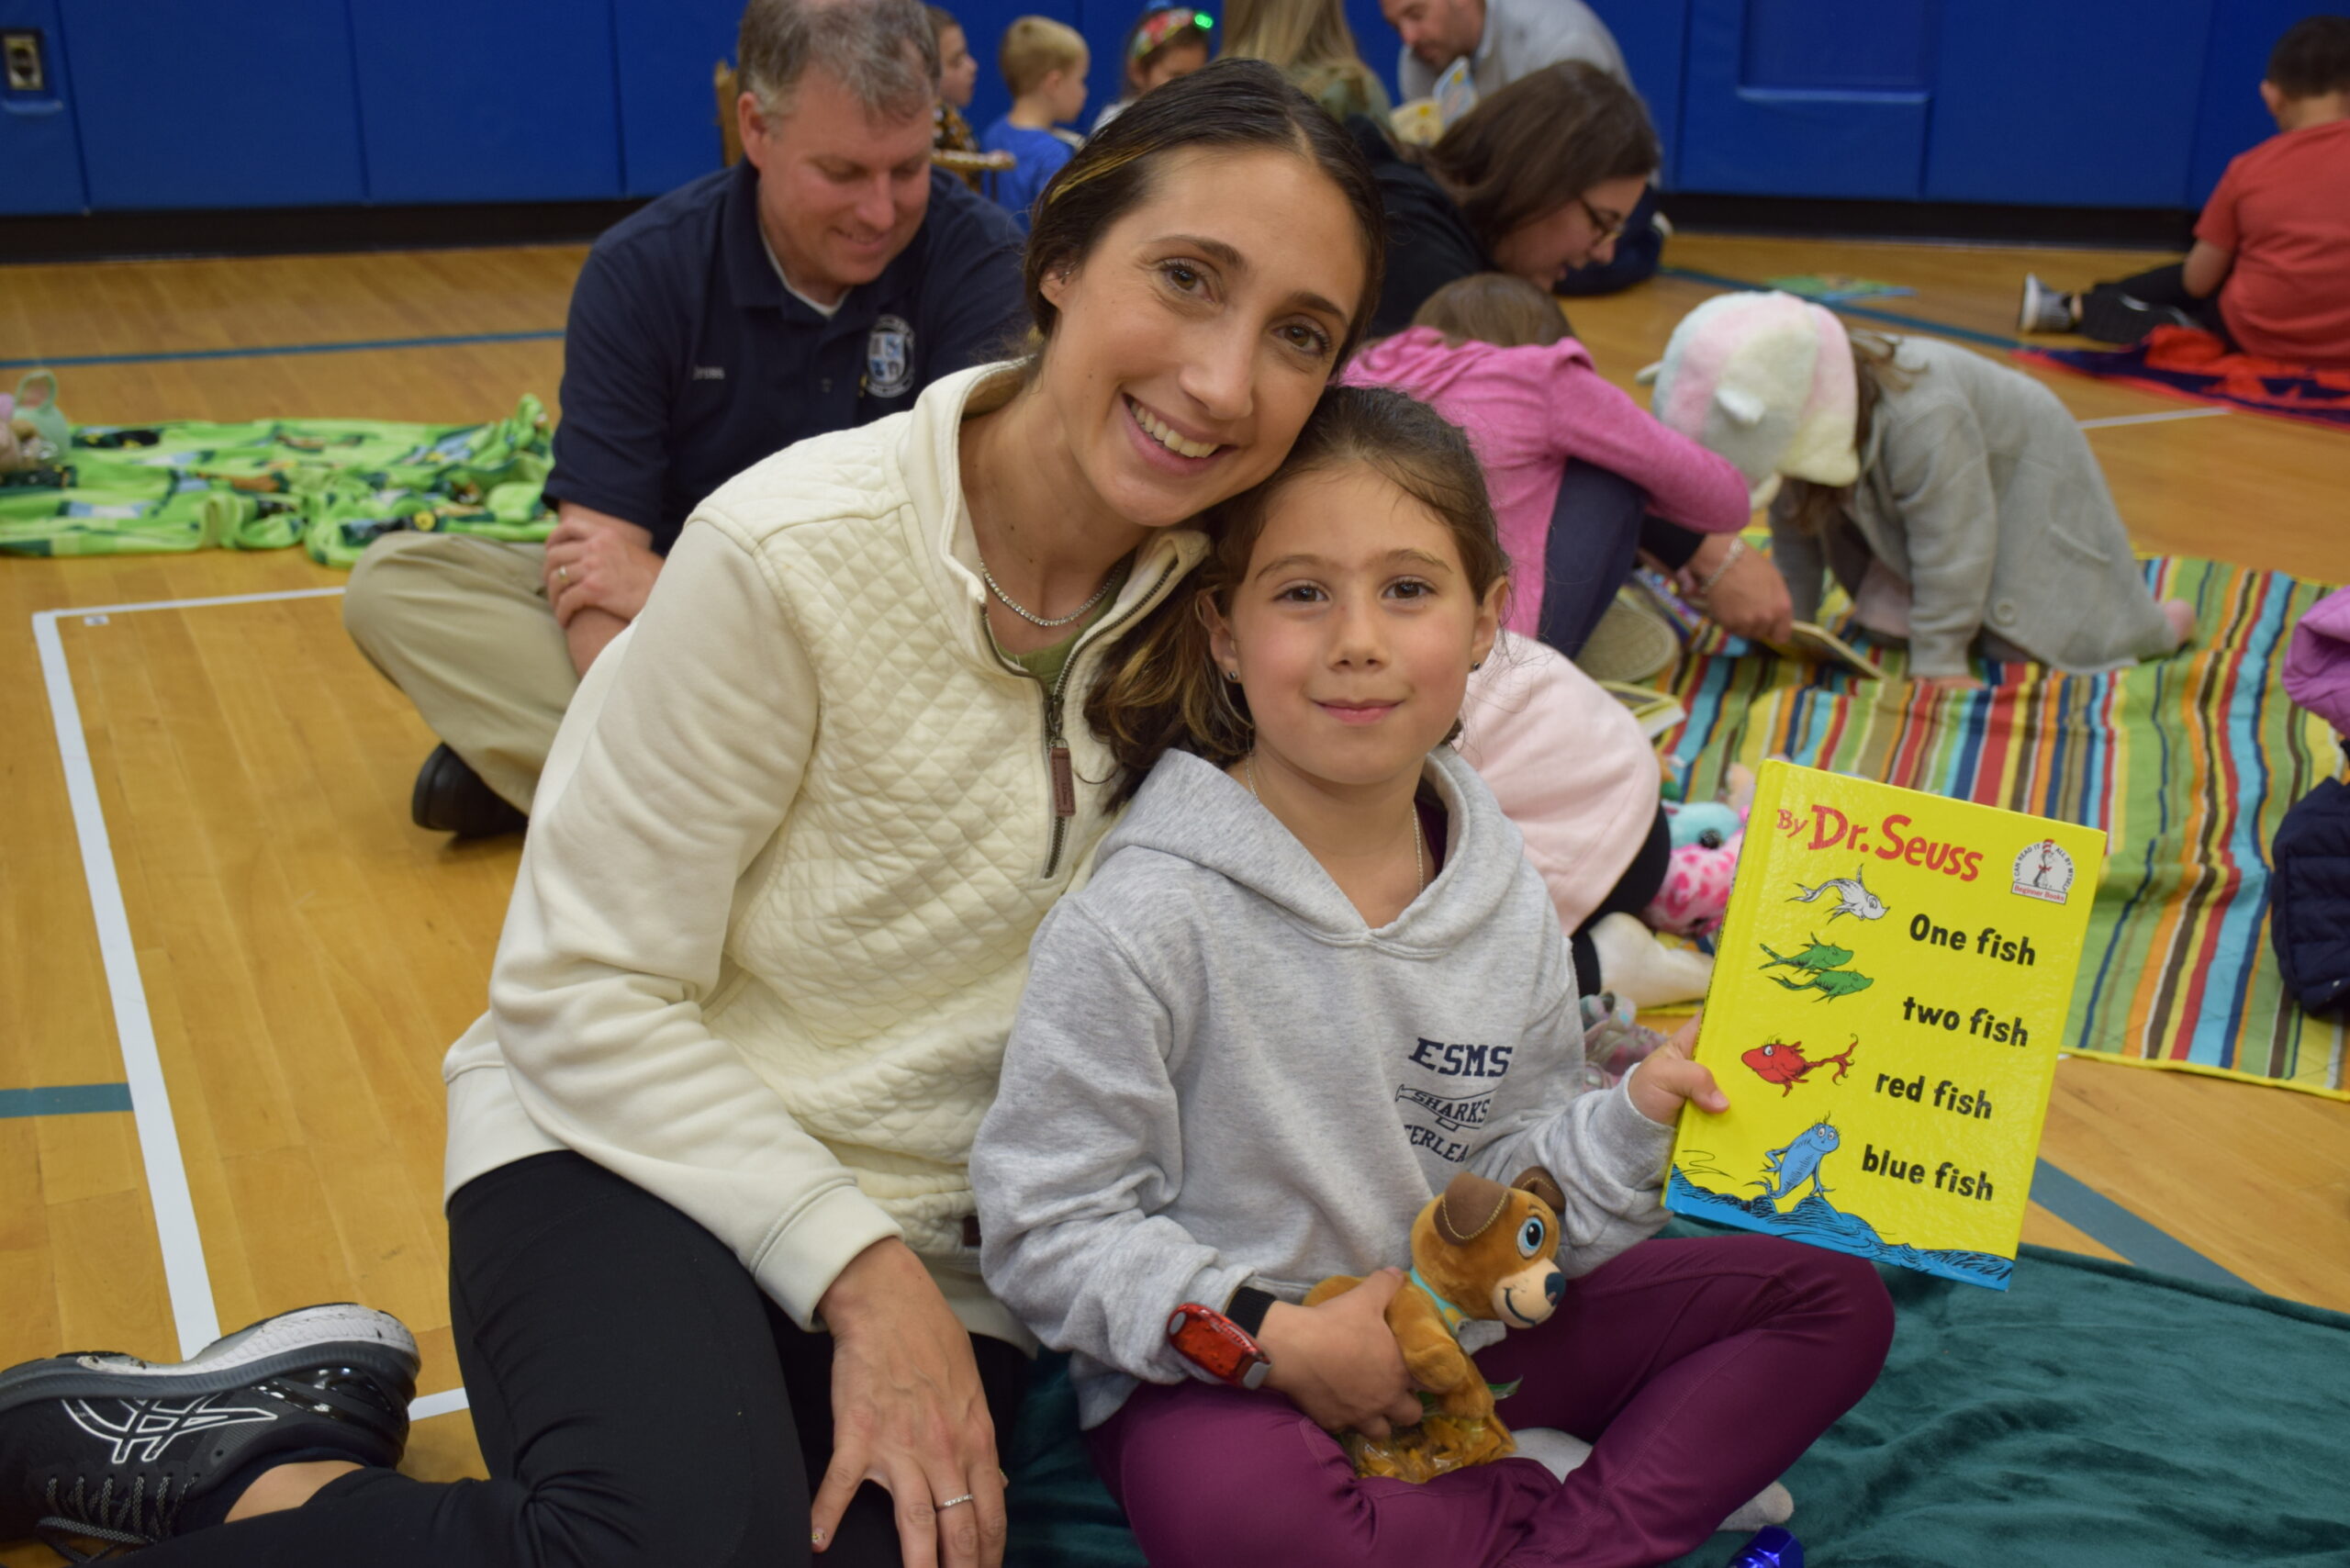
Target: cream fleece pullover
point(797, 830)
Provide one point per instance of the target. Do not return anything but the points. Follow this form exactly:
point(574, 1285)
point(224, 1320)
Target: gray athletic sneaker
point(2044, 309)
point(105, 1447)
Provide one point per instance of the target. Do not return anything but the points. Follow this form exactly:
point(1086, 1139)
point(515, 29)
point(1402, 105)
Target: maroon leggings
point(1699, 1369)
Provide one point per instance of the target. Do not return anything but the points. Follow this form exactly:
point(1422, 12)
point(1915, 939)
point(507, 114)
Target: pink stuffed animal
point(1705, 839)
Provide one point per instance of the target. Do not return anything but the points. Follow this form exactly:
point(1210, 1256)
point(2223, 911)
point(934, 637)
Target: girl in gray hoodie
point(1311, 978)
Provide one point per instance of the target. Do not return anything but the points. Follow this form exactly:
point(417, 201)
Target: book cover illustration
point(1889, 995)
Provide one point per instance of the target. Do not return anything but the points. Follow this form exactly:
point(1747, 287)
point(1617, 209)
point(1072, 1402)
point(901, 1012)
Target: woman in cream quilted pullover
point(706, 1182)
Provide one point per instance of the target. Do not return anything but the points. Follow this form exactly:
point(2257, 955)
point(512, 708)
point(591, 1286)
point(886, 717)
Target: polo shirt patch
point(709, 373)
point(890, 358)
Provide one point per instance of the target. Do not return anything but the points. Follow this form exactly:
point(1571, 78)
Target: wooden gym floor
point(303, 955)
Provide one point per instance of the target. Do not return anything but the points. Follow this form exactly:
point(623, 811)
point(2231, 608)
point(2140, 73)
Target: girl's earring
point(1241, 723)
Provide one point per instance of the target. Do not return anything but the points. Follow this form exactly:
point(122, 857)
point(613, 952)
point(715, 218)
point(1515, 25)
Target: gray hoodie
point(1218, 1075)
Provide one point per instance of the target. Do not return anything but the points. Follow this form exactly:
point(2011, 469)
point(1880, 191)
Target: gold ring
point(563, 573)
point(954, 1502)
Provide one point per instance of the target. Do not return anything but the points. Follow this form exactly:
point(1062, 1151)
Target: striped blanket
point(2187, 763)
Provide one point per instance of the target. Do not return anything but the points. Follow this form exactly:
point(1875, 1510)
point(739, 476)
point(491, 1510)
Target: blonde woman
point(1310, 41)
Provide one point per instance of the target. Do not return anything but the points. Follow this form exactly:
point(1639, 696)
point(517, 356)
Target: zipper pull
point(1064, 782)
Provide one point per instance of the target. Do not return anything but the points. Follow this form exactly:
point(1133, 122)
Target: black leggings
point(1633, 891)
point(2125, 311)
point(1599, 525)
point(639, 1400)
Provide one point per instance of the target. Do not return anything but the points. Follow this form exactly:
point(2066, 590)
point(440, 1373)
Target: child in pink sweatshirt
point(1492, 354)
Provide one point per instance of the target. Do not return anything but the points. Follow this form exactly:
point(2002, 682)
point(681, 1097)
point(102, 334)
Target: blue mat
point(2094, 1415)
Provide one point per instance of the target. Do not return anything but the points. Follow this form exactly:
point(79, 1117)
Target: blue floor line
point(64, 1100)
point(1890, 318)
point(2142, 1242)
point(60, 362)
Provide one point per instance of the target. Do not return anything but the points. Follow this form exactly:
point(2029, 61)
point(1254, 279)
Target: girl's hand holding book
point(1659, 1085)
point(1338, 1362)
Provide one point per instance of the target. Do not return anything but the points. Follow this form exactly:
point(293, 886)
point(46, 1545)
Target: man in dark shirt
point(822, 282)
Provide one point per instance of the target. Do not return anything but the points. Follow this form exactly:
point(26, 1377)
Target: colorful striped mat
point(2187, 763)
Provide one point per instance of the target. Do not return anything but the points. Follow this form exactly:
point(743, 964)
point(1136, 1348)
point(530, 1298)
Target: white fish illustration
point(1853, 896)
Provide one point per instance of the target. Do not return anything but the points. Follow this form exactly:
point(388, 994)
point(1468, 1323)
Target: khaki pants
point(461, 626)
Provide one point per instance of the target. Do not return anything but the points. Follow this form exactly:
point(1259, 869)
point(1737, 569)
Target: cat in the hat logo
point(2043, 871)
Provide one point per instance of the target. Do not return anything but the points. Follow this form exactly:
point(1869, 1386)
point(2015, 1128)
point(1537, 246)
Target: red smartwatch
point(1218, 1345)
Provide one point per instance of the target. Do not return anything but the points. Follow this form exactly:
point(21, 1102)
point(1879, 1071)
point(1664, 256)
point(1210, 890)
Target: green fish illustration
point(1830, 984)
point(1817, 956)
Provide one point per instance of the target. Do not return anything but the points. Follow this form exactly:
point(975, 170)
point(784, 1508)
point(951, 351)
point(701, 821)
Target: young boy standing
point(2270, 270)
point(1044, 65)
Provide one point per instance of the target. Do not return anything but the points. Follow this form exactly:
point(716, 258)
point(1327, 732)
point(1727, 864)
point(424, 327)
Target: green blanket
point(329, 484)
point(2095, 1415)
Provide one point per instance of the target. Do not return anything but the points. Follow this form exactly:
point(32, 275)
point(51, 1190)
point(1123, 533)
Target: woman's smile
point(1164, 441)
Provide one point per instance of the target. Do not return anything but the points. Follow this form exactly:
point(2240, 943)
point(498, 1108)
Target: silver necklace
point(1029, 615)
point(1419, 837)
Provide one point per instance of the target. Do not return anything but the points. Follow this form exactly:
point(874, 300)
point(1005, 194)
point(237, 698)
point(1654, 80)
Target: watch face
point(1210, 1342)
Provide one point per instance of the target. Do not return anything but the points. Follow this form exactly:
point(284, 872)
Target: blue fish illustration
point(1853, 896)
point(1798, 1162)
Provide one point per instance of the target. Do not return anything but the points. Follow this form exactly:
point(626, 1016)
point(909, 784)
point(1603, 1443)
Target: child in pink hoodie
point(1492, 354)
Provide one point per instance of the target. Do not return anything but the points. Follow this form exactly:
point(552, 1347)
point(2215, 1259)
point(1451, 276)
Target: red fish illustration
point(1782, 1063)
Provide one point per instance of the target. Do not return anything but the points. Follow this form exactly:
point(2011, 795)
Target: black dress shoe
point(450, 798)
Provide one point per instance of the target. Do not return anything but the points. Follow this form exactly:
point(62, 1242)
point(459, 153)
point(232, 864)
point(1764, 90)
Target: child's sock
point(1642, 971)
point(1561, 1452)
point(1774, 1505)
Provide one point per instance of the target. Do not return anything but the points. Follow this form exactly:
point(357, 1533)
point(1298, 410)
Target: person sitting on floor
point(824, 283)
point(1535, 180)
point(1493, 355)
point(1954, 498)
point(2270, 270)
point(1165, 44)
point(1502, 41)
point(959, 78)
point(1310, 41)
point(1043, 64)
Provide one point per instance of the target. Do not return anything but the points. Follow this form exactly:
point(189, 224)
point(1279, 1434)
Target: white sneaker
point(2044, 309)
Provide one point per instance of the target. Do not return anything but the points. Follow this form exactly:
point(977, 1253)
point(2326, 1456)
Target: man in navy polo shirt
point(822, 282)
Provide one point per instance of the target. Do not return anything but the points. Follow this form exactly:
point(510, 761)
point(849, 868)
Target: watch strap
point(1247, 1308)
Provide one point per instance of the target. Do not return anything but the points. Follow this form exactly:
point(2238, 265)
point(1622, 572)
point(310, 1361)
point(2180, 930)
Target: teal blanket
point(2094, 1415)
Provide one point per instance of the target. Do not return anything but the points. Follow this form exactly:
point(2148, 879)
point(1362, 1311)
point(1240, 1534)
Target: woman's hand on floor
point(909, 1414)
point(1338, 1362)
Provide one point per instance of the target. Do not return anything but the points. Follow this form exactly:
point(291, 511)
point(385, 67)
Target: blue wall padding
point(667, 49)
point(41, 147)
point(268, 103)
point(2090, 107)
point(1866, 46)
point(193, 103)
point(1654, 38)
point(461, 102)
point(1822, 141)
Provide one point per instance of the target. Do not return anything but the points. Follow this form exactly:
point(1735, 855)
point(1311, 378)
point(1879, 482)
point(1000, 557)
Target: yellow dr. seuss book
point(1889, 994)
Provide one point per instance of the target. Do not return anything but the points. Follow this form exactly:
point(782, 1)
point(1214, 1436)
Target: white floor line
point(185, 1276)
point(2164, 417)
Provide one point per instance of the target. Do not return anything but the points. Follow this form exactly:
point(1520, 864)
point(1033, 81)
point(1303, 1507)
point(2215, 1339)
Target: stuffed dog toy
point(1478, 1250)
